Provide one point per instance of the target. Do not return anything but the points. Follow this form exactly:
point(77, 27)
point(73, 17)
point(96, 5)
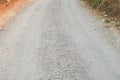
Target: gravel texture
point(58, 40)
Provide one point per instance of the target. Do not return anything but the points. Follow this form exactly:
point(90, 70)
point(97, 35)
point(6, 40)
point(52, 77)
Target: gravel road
point(58, 40)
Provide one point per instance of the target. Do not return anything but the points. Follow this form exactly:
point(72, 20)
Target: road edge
point(10, 14)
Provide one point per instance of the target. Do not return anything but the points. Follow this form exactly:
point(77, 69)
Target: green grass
point(98, 3)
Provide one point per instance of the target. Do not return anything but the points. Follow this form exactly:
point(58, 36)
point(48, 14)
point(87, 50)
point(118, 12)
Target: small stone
point(105, 15)
point(9, 0)
point(111, 29)
point(103, 20)
point(113, 22)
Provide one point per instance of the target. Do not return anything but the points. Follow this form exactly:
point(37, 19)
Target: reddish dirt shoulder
point(8, 10)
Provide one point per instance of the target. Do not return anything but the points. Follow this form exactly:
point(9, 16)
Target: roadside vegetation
point(110, 8)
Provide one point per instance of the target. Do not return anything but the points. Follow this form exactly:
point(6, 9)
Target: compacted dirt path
point(58, 40)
